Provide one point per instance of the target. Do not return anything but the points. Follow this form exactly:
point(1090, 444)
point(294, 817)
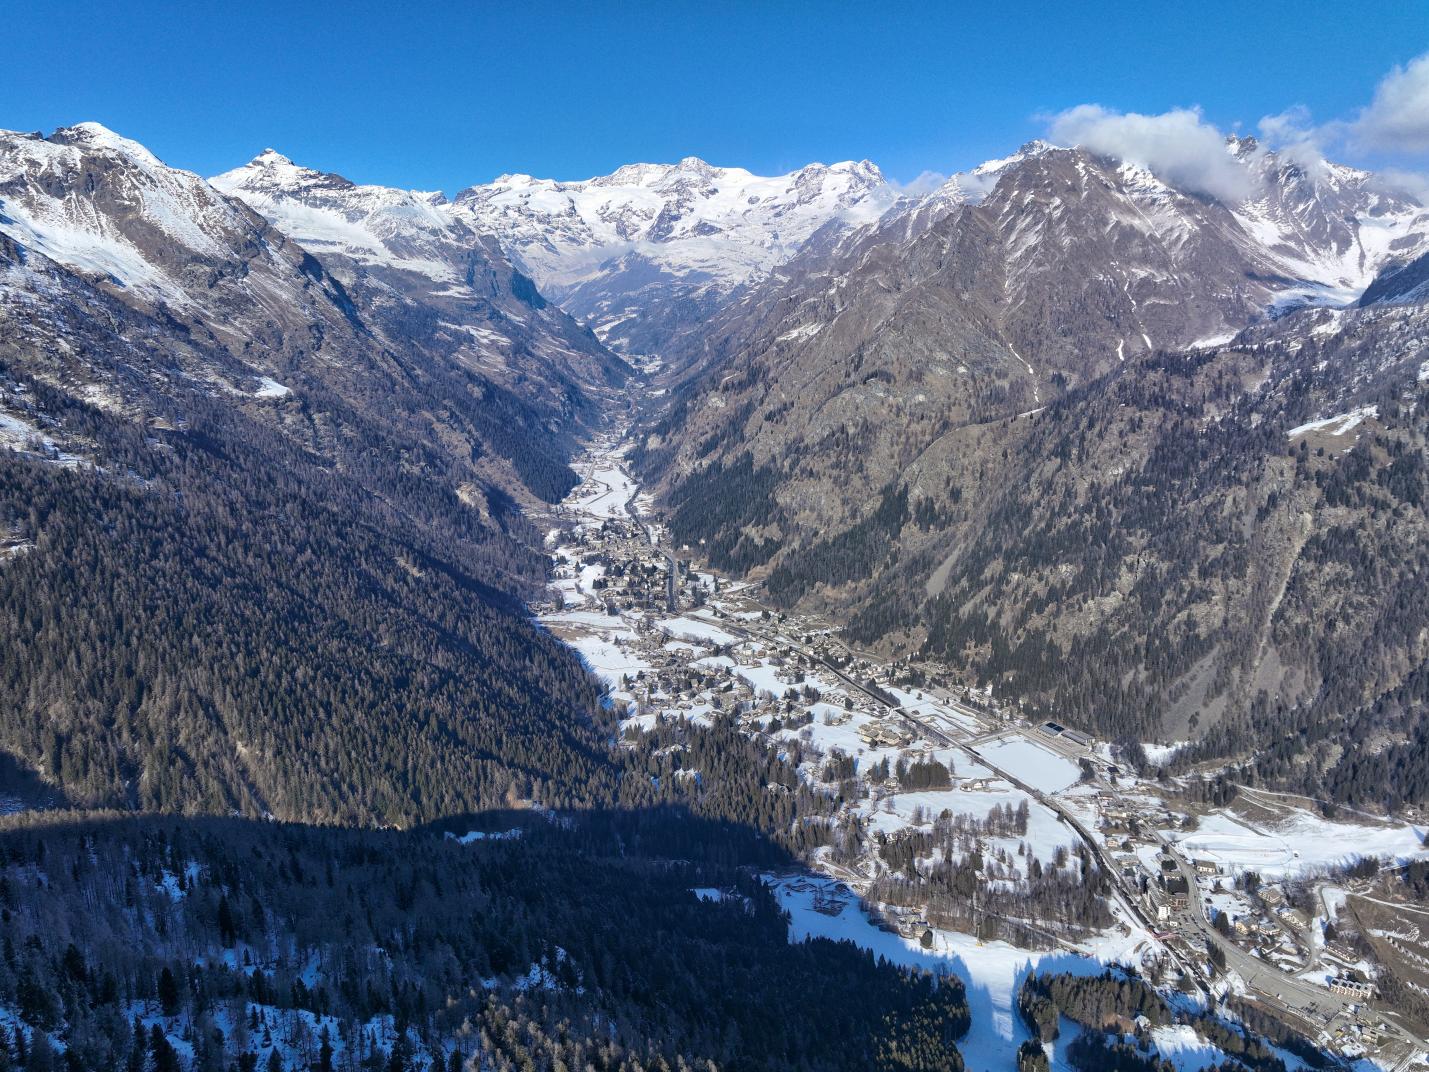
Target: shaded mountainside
point(263, 545)
point(574, 945)
point(218, 620)
point(1000, 426)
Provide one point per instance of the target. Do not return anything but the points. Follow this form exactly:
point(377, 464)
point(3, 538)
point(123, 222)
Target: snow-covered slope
point(137, 286)
point(105, 208)
point(656, 243)
point(1333, 228)
point(393, 247)
point(374, 225)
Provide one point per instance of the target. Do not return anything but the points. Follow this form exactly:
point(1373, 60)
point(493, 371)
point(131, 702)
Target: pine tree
point(168, 992)
point(166, 1058)
point(227, 929)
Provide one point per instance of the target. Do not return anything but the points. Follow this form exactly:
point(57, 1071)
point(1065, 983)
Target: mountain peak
point(1241, 147)
point(1034, 148)
point(270, 170)
point(270, 158)
point(96, 137)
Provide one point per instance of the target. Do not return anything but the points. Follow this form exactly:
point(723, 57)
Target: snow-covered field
point(605, 489)
point(768, 679)
point(683, 628)
point(608, 658)
point(1044, 832)
point(1301, 843)
point(1033, 764)
point(991, 971)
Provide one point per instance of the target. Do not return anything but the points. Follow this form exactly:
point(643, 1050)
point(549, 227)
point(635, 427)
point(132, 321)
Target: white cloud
point(1178, 146)
point(1295, 138)
point(1290, 127)
point(1400, 181)
point(1395, 122)
point(923, 184)
point(1397, 119)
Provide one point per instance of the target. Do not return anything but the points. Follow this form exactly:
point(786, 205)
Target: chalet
point(876, 734)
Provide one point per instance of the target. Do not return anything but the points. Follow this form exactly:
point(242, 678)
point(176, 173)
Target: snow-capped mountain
point(1320, 231)
point(644, 250)
point(1333, 228)
point(88, 210)
point(134, 284)
point(1060, 262)
point(392, 247)
point(107, 209)
point(406, 230)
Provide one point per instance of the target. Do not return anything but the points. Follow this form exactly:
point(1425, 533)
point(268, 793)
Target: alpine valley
point(640, 622)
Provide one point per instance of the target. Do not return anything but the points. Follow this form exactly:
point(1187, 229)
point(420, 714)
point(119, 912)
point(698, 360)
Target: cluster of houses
point(882, 733)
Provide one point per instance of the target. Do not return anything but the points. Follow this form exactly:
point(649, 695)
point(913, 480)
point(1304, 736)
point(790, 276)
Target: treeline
point(230, 941)
point(1101, 1001)
point(727, 777)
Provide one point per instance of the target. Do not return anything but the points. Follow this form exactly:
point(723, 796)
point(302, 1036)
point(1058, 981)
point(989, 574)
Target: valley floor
point(670, 640)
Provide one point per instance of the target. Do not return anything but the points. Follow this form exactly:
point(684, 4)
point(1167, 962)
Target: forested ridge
point(570, 944)
point(216, 620)
point(1151, 553)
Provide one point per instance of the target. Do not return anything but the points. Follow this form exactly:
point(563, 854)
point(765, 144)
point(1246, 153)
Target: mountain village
point(1211, 899)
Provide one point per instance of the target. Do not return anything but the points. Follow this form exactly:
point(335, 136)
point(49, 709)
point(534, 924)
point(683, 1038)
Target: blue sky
point(441, 95)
